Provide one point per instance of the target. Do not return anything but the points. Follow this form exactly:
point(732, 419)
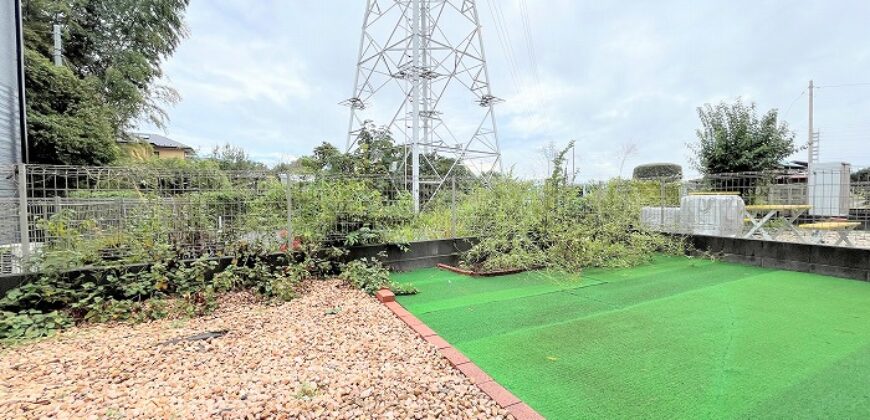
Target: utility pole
point(58, 46)
point(811, 142)
point(573, 160)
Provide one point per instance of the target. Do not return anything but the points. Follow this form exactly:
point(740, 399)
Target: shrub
point(346, 212)
point(522, 225)
point(367, 275)
point(404, 289)
point(370, 275)
point(861, 176)
point(55, 301)
point(659, 171)
point(31, 324)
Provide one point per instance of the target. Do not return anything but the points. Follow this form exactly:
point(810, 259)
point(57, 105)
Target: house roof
point(163, 142)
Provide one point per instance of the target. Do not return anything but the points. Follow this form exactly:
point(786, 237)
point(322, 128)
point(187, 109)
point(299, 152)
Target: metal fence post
point(662, 200)
point(453, 207)
point(289, 210)
point(23, 227)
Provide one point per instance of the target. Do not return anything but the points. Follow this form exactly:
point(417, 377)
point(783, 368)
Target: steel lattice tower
point(422, 70)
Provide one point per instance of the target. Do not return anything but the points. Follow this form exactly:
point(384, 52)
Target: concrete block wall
point(849, 263)
point(415, 255)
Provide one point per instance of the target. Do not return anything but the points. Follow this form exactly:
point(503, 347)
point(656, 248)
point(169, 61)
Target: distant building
point(164, 147)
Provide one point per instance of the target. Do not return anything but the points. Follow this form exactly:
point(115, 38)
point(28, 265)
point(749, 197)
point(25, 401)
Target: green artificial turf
point(679, 338)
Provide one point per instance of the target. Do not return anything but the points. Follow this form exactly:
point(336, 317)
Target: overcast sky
point(267, 75)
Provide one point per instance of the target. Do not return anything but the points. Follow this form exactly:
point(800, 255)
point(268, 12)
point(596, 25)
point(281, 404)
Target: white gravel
point(294, 360)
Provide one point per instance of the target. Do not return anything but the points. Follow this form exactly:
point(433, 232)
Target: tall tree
point(119, 47)
point(124, 43)
point(68, 124)
point(233, 158)
point(733, 138)
point(376, 154)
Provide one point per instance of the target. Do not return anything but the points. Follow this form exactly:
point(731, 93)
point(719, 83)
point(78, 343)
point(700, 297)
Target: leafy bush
point(508, 218)
point(167, 288)
point(31, 324)
point(603, 229)
point(522, 225)
point(346, 212)
point(404, 289)
point(370, 275)
point(367, 275)
point(659, 171)
point(655, 193)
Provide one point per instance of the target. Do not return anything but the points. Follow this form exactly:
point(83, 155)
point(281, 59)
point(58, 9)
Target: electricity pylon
point(422, 71)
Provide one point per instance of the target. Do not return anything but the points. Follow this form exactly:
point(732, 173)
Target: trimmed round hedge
point(658, 171)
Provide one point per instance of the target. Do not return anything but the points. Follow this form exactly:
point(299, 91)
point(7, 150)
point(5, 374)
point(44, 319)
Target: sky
point(614, 76)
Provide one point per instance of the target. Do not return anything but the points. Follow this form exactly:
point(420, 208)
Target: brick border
point(502, 397)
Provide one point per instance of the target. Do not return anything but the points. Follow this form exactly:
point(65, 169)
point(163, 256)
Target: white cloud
point(268, 75)
point(228, 70)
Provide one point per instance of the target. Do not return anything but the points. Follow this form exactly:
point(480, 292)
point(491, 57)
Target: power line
point(530, 43)
point(785, 117)
point(844, 85)
point(504, 40)
point(504, 28)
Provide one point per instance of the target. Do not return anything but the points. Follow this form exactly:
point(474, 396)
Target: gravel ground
point(332, 353)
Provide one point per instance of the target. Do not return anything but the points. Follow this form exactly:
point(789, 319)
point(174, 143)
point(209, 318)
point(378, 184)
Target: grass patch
point(677, 338)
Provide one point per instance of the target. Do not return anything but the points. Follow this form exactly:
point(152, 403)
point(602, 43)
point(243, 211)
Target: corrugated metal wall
point(10, 142)
point(10, 130)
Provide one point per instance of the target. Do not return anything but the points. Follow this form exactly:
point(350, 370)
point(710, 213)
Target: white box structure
point(713, 215)
point(829, 187)
point(662, 219)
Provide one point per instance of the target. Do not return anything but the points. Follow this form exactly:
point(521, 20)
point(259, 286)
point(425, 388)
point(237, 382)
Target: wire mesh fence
point(63, 217)
point(85, 215)
point(826, 205)
point(12, 247)
point(60, 217)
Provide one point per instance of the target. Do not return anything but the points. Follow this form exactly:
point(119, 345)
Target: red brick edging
point(498, 393)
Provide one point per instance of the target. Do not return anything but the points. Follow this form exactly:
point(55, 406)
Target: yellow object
point(713, 193)
point(830, 226)
point(773, 207)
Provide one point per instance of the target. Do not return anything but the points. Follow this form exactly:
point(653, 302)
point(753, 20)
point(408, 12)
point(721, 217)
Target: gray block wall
point(849, 263)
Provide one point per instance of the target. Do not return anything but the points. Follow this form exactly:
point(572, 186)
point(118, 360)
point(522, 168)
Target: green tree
point(67, 122)
point(733, 138)
point(326, 159)
point(233, 158)
point(861, 176)
point(118, 47)
point(376, 153)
